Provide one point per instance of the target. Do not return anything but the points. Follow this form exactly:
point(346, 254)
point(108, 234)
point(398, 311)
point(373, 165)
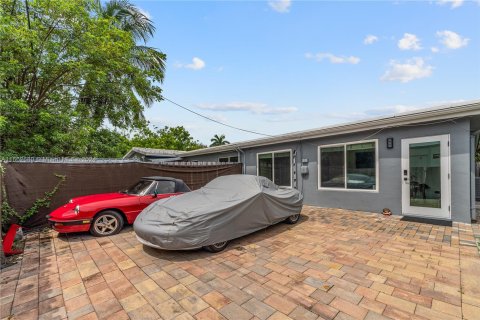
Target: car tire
point(106, 223)
point(293, 219)
point(216, 247)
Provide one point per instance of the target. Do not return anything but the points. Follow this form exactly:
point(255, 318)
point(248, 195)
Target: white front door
point(426, 177)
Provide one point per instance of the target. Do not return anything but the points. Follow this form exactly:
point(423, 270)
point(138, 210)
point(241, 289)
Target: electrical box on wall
point(304, 170)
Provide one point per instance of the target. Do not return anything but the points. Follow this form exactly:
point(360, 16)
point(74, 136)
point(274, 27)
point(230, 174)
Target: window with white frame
point(276, 166)
point(233, 159)
point(352, 166)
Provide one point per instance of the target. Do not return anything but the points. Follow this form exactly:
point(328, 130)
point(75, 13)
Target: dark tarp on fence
point(26, 182)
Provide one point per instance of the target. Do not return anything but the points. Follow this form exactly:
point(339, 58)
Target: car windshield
point(139, 188)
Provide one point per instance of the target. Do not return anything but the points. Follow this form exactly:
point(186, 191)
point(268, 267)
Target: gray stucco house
point(419, 164)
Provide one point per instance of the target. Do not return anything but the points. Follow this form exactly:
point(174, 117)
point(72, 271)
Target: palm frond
point(129, 18)
point(149, 59)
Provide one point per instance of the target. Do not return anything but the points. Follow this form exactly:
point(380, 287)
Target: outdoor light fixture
point(389, 143)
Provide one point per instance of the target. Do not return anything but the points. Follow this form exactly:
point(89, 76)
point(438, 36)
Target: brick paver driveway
point(334, 264)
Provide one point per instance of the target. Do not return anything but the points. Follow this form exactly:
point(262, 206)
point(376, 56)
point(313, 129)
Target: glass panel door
point(425, 182)
point(426, 177)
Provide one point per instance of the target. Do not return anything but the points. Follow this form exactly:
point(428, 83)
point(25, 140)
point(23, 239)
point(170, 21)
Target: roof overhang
point(445, 112)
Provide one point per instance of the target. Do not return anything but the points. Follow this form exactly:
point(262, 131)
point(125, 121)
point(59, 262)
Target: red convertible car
point(105, 214)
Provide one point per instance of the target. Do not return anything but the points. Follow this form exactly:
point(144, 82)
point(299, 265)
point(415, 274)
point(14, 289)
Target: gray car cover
point(226, 208)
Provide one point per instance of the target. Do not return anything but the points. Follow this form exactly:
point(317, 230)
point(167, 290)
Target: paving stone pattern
point(333, 264)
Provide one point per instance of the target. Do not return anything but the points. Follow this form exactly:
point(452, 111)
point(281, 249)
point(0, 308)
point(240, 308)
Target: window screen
point(282, 168)
point(349, 166)
point(361, 173)
point(332, 167)
point(276, 166)
point(265, 165)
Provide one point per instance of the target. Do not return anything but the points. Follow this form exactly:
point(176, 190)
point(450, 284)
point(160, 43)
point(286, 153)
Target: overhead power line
point(213, 120)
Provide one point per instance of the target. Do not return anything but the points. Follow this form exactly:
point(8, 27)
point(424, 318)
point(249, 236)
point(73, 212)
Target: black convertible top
point(180, 185)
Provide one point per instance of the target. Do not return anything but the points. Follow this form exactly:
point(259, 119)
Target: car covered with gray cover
point(226, 208)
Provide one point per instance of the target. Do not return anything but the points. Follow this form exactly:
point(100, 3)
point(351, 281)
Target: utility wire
point(221, 123)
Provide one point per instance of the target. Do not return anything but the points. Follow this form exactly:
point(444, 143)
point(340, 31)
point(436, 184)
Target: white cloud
point(454, 3)
point(253, 107)
point(197, 64)
point(412, 69)
point(451, 39)
point(332, 58)
point(282, 6)
point(434, 49)
point(370, 39)
point(409, 42)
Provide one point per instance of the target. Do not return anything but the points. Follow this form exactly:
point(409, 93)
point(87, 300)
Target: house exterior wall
point(389, 194)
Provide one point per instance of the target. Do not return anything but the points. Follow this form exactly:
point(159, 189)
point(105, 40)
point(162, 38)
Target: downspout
point(474, 141)
point(239, 157)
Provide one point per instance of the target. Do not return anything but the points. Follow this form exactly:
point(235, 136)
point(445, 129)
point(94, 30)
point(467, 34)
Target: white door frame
point(444, 212)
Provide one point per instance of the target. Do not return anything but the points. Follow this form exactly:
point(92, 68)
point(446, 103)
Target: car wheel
point(106, 223)
point(293, 219)
point(216, 247)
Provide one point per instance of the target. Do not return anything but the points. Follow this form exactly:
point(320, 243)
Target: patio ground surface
point(333, 264)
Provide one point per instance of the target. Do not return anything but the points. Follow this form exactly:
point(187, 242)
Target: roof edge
point(454, 111)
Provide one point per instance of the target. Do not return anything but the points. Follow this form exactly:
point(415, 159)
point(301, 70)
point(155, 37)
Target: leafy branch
point(8, 212)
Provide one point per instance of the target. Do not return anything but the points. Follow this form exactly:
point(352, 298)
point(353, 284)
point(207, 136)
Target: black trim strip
point(436, 222)
point(72, 222)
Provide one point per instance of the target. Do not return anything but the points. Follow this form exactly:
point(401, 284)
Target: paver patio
point(333, 264)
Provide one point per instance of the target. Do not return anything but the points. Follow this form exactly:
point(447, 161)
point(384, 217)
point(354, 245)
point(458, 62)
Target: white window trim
point(229, 159)
point(345, 144)
point(273, 164)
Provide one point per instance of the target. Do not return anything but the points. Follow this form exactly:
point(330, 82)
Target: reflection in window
point(282, 168)
point(276, 166)
point(233, 159)
point(165, 187)
point(361, 166)
point(265, 168)
point(332, 167)
point(349, 166)
point(425, 175)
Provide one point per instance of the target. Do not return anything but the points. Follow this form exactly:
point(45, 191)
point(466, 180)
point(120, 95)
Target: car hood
point(66, 211)
point(100, 197)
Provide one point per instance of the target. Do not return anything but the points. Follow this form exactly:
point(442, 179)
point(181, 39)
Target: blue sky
point(282, 66)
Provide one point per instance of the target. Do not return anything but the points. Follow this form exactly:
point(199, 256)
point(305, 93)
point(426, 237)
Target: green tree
point(173, 138)
point(66, 68)
point(218, 140)
point(128, 18)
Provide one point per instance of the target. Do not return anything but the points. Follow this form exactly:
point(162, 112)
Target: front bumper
point(68, 226)
point(165, 247)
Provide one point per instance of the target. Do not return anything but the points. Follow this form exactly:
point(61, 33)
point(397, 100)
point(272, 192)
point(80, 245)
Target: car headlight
point(77, 209)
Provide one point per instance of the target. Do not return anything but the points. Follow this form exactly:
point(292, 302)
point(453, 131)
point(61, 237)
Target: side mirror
point(155, 194)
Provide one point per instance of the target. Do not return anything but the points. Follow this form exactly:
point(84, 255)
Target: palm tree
point(129, 18)
point(218, 140)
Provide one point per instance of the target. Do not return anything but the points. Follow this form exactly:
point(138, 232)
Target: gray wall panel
point(390, 179)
